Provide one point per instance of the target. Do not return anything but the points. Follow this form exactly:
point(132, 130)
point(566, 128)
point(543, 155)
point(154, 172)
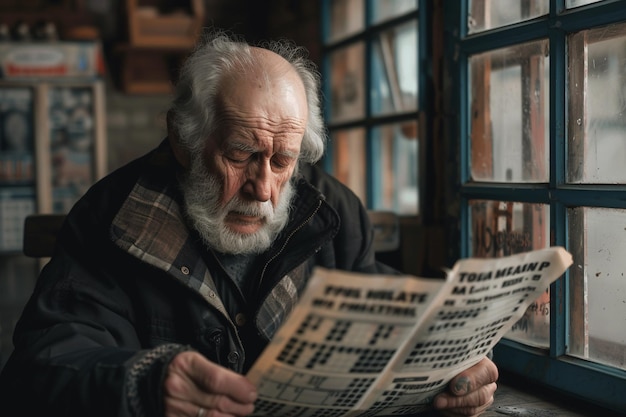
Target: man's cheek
point(278, 190)
point(231, 186)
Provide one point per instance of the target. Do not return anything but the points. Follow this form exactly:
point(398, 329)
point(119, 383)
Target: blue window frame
point(538, 90)
point(530, 121)
point(375, 88)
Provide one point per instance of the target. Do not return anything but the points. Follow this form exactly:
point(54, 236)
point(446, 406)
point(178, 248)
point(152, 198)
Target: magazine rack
point(53, 133)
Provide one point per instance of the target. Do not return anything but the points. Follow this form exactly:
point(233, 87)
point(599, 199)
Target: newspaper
point(363, 345)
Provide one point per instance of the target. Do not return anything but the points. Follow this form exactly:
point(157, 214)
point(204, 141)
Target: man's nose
point(258, 184)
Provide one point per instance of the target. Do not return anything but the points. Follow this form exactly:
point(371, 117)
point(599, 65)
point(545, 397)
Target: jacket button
point(233, 356)
point(213, 338)
point(240, 319)
point(184, 270)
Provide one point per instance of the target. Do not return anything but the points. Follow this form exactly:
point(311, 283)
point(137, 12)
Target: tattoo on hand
point(462, 386)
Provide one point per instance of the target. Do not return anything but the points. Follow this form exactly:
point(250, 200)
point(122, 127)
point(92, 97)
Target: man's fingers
point(193, 383)
point(471, 392)
point(216, 379)
point(483, 373)
point(176, 407)
point(212, 378)
point(469, 404)
point(225, 405)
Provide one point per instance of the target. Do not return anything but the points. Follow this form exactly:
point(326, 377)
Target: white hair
point(195, 101)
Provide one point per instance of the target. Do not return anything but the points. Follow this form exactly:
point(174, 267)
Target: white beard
point(202, 192)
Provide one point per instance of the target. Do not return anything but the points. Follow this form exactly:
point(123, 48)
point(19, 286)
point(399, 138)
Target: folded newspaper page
point(376, 345)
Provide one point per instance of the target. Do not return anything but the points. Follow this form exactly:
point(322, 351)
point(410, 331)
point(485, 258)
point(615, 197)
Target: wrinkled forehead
point(267, 87)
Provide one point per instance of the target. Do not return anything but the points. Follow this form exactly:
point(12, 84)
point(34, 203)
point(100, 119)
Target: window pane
point(597, 112)
point(395, 71)
point(347, 83)
point(346, 19)
point(349, 159)
point(386, 9)
point(576, 3)
point(598, 285)
point(395, 150)
point(500, 228)
point(489, 14)
point(509, 114)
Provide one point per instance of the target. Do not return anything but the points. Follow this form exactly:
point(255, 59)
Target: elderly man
point(171, 275)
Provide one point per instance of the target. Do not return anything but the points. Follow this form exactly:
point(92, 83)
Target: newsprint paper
point(363, 345)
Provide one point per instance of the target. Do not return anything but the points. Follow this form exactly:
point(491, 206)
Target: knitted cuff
point(145, 379)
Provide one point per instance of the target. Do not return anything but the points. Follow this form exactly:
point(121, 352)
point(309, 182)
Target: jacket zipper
point(293, 232)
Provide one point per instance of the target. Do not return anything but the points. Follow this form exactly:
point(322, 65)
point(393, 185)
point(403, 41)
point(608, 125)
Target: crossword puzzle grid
point(437, 353)
point(366, 333)
point(283, 386)
point(324, 346)
point(401, 398)
point(341, 346)
point(269, 409)
point(266, 408)
point(321, 357)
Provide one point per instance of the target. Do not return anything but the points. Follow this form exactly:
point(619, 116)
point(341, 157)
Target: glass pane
point(509, 114)
point(386, 9)
point(349, 160)
point(489, 14)
point(347, 17)
point(576, 3)
point(500, 228)
point(395, 167)
point(347, 80)
point(597, 107)
point(598, 285)
point(72, 138)
point(395, 70)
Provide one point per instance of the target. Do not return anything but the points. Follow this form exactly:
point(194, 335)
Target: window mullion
point(558, 132)
point(373, 181)
point(559, 300)
point(558, 139)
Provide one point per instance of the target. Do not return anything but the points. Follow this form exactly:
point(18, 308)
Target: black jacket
point(130, 286)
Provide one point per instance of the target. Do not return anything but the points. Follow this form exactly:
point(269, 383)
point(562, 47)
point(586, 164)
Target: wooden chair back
point(40, 234)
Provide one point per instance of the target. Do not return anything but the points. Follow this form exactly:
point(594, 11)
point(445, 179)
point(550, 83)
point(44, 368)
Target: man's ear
point(180, 152)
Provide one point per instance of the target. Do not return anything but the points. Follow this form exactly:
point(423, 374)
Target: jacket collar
point(150, 225)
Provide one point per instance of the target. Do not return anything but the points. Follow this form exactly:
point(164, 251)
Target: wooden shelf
point(157, 44)
point(148, 27)
point(147, 70)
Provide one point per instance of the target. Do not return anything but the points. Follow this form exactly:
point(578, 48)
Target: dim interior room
point(469, 128)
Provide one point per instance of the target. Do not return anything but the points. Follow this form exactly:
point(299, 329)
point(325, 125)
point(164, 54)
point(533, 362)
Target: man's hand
point(470, 392)
point(196, 387)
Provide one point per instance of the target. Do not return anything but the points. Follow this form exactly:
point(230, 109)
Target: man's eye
point(239, 157)
point(281, 162)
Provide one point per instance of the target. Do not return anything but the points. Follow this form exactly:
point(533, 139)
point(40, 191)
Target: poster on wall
point(72, 137)
point(16, 135)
